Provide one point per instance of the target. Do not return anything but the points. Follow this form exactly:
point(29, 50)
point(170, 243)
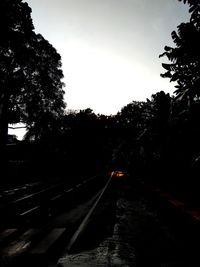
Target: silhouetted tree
point(143, 138)
point(135, 116)
point(42, 104)
point(132, 121)
point(185, 57)
point(86, 140)
point(161, 103)
point(30, 71)
point(16, 28)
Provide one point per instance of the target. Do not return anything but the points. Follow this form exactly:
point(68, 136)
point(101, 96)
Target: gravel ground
point(140, 237)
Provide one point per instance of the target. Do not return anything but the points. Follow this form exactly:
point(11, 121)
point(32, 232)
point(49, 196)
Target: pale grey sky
point(109, 48)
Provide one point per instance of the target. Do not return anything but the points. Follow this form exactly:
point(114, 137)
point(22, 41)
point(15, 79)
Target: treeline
point(164, 144)
point(157, 140)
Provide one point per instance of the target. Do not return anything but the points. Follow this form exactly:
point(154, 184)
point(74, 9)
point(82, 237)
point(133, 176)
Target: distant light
point(117, 173)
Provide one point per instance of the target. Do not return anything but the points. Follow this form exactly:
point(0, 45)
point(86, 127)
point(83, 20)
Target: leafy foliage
point(30, 71)
point(185, 56)
point(42, 101)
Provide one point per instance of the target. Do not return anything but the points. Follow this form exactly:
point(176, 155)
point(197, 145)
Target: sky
point(109, 48)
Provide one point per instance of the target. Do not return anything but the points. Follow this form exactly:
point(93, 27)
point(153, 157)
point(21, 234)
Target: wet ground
point(130, 231)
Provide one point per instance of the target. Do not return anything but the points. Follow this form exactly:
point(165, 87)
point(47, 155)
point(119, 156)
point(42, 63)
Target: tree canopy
point(31, 90)
point(185, 56)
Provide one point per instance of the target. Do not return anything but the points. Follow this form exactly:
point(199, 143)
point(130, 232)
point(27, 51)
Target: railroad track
point(11, 194)
point(36, 204)
point(39, 244)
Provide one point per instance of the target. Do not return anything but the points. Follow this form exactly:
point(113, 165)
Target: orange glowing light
point(119, 173)
point(116, 173)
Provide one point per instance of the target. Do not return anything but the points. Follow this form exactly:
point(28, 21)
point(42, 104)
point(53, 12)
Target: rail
point(26, 245)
